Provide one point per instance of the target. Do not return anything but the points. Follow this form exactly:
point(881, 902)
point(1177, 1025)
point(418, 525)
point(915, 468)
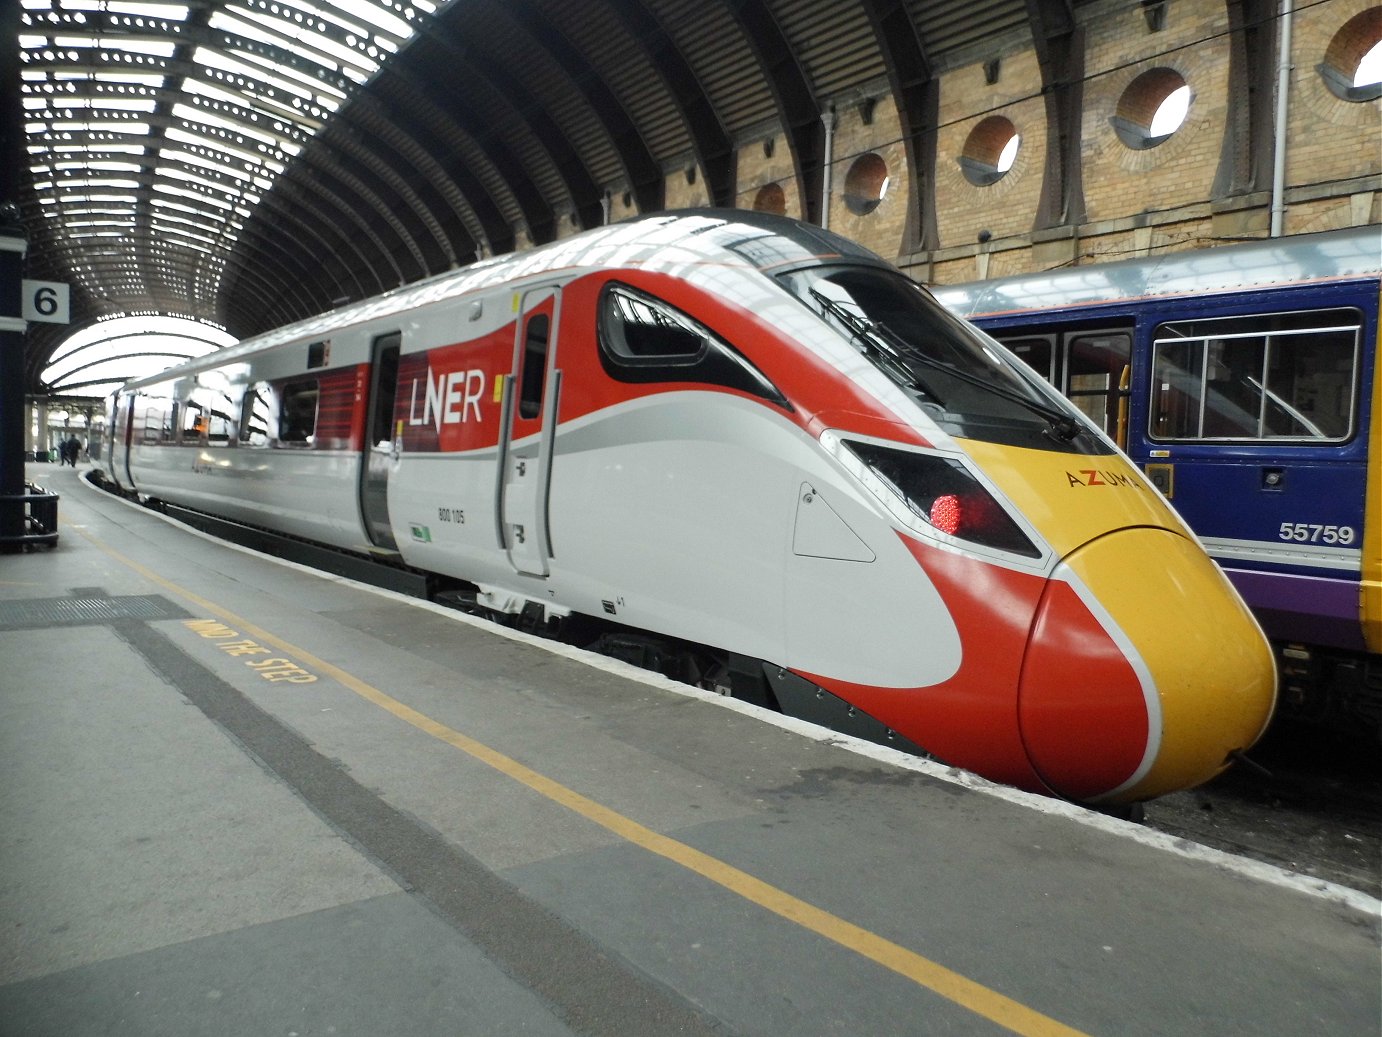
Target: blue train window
point(1092, 368)
point(1278, 377)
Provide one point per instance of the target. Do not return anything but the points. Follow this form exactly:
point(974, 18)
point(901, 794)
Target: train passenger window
point(1092, 369)
point(158, 425)
point(255, 416)
point(1036, 353)
point(193, 422)
point(638, 330)
point(643, 339)
point(533, 373)
point(1096, 370)
point(212, 395)
point(1279, 377)
point(219, 422)
point(297, 416)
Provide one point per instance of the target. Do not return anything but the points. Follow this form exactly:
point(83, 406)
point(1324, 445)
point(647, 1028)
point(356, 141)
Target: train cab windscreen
point(955, 373)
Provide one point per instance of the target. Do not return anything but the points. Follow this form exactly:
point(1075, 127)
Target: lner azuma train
point(1242, 379)
point(741, 433)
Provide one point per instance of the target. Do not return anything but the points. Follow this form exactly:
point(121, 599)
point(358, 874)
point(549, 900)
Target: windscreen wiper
point(882, 352)
point(1062, 425)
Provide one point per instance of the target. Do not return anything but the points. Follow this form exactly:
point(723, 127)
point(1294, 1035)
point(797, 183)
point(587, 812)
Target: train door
point(528, 426)
point(1092, 368)
point(378, 441)
point(1097, 378)
point(124, 416)
point(114, 447)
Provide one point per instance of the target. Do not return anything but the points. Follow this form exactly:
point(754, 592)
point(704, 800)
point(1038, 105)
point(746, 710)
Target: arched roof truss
point(247, 163)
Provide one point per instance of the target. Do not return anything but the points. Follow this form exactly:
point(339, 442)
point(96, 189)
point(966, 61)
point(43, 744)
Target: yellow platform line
point(949, 984)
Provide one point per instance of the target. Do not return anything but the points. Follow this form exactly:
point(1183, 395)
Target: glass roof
point(99, 358)
point(155, 128)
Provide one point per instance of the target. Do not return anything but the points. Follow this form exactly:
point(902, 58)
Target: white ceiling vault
point(245, 163)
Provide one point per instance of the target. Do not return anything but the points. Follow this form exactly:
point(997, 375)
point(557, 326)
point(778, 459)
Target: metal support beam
point(643, 173)
point(1060, 53)
point(1245, 156)
point(796, 101)
point(916, 92)
point(713, 149)
point(12, 248)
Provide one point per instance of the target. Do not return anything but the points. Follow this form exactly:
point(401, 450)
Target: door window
point(533, 372)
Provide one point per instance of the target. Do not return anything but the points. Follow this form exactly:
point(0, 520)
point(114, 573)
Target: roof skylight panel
point(191, 158)
point(74, 223)
point(312, 45)
point(212, 91)
point(123, 44)
point(208, 248)
point(88, 182)
point(190, 232)
point(199, 115)
point(129, 129)
point(170, 12)
point(219, 200)
point(210, 184)
point(107, 148)
point(105, 167)
point(202, 225)
point(94, 199)
point(168, 203)
point(244, 154)
point(366, 15)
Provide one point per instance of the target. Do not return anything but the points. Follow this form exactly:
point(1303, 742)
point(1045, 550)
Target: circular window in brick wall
point(866, 184)
point(989, 151)
point(1152, 108)
point(1352, 66)
point(770, 198)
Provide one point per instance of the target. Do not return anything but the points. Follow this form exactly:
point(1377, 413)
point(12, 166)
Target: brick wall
point(1135, 200)
point(1330, 140)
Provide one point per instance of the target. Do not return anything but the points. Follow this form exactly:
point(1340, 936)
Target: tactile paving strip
point(44, 612)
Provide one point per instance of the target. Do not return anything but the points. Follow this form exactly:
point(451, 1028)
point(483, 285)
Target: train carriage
point(758, 448)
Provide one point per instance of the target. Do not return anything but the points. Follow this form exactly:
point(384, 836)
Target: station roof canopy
point(245, 163)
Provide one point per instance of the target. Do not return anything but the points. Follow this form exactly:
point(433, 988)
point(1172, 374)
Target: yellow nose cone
point(1207, 671)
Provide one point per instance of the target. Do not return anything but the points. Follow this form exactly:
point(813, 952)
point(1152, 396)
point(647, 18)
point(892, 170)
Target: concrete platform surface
point(238, 797)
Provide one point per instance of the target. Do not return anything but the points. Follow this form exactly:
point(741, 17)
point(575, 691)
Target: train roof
point(1329, 255)
point(668, 241)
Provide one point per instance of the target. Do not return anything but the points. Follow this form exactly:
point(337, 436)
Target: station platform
point(239, 797)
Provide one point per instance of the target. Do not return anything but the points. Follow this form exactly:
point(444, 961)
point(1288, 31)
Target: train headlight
point(940, 492)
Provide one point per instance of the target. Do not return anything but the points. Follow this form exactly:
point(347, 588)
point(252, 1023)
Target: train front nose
point(1145, 672)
